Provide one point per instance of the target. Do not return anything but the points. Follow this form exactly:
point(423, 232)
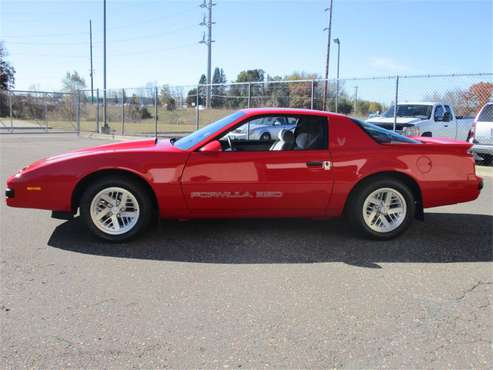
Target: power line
point(139, 23)
point(149, 36)
point(133, 53)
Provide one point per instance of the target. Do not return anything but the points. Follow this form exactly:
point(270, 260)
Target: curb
point(94, 135)
point(484, 171)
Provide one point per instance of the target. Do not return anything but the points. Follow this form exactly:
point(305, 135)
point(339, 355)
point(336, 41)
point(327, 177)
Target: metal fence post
point(78, 112)
point(155, 110)
point(97, 111)
point(123, 111)
point(11, 114)
point(312, 95)
point(396, 101)
point(197, 110)
point(249, 93)
point(46, 110)
point(337, 95)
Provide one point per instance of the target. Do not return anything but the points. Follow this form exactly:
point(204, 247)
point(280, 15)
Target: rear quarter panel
point(444, 175)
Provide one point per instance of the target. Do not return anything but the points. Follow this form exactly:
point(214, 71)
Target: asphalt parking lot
point(244, 293)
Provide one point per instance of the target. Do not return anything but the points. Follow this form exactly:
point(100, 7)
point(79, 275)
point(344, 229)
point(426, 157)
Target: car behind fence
point(168, 109)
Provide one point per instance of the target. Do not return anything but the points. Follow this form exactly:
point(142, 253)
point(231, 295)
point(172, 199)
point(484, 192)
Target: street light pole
point(90, 54)
point(338, 42)
point(326, 83)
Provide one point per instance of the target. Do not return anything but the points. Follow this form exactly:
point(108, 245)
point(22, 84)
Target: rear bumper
point(482, 149)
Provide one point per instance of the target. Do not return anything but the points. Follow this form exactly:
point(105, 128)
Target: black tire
point(427, 134)
point(354, 211)
point(265, 137)
point(487, 159)
point(146, 209)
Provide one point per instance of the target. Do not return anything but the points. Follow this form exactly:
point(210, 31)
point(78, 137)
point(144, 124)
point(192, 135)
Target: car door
point(256, 183)
point(441, 127)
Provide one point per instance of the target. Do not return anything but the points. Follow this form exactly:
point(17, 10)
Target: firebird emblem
point(341, 141)
point(236, 194)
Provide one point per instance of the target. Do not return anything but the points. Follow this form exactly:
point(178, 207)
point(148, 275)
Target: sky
point(157, 41)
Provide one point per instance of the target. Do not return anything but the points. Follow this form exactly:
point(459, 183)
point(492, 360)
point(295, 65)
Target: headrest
point(302, 140)
point(286, 135)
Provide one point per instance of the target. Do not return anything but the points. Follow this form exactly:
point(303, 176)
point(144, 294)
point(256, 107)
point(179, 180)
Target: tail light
point(472, 133)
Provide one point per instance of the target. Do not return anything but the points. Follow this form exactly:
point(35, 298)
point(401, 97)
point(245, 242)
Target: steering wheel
point(230, 143)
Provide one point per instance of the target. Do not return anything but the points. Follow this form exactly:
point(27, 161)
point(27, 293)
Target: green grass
point(168, 122)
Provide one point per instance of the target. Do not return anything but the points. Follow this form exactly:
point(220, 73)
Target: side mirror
point(213, 146)
point(446, 117)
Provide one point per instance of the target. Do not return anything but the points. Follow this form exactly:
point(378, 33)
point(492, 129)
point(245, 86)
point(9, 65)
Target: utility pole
point(90, 54)
point(326, 82)
point(106, 128)
point(208, 4)
point(338, 42)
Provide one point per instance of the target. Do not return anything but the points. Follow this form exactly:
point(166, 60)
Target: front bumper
point(9, 193)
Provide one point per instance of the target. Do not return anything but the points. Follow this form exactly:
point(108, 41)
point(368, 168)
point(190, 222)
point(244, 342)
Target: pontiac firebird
point(326, 165)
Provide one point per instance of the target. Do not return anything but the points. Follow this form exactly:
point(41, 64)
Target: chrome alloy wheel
point(114, 210)
point(384, 210)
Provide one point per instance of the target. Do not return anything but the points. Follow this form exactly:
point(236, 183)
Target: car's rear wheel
point(382, 209)
point(116, 209)
point(265, 137)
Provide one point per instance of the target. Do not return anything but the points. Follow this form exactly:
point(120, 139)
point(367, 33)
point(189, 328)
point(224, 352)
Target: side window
point(265, 129)
point(438, 113)
point(278, 133)
point(449, 111)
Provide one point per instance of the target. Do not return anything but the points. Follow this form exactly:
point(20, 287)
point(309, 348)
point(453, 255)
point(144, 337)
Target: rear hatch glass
point(486, 114)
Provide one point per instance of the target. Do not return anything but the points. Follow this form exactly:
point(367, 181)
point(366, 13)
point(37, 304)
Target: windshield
point(382, 136)
point(189, 141)
point(410, 110)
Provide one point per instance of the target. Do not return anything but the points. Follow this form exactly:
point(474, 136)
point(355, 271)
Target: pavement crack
point(476, 285)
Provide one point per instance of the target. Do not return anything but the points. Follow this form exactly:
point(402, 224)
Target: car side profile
point(326, 165)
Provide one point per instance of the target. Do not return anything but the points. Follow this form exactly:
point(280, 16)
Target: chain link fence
point(35, 111)
point(179, 110)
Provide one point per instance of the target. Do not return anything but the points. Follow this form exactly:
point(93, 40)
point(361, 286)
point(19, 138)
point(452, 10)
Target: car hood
point(390, 120)
point(125, 146)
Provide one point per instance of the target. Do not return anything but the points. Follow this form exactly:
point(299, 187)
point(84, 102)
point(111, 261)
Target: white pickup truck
point(425, 119)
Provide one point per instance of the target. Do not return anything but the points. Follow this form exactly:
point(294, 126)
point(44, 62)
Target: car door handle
point(326, 165)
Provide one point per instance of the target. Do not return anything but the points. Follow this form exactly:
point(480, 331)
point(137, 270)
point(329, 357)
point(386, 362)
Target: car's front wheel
point(116, 209)
point(382, 209)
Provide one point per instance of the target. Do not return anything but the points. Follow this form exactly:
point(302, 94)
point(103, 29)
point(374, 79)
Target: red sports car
point(321, 165)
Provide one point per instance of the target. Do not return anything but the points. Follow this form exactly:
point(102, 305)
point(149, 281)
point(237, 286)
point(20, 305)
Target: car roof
point(260, 111)
point(418, 102)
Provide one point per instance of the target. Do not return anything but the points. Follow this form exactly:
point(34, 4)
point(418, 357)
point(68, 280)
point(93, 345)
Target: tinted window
point(190, 140)
point(438, 113)
point(382, 136)
point(486, 114)
point(449, 111)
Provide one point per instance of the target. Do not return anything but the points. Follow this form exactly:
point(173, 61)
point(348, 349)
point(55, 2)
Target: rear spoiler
point(445, 143)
